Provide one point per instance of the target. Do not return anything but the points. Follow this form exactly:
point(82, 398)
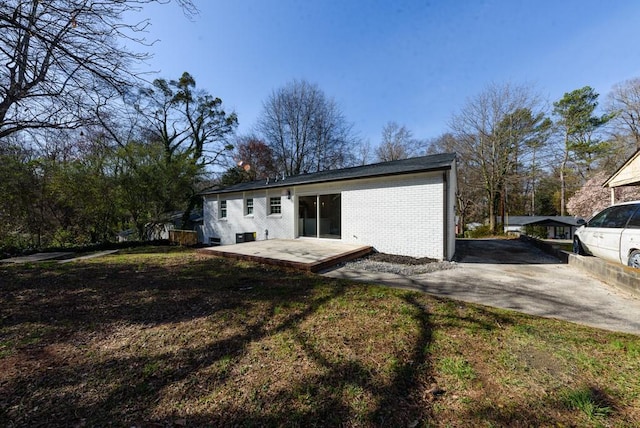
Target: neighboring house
point(404, 207)
point(194, 223)
point(473, 225)
point(126, 235)
point(152, 232)
point(627, 175)
point(558, 227)
point(160, 230)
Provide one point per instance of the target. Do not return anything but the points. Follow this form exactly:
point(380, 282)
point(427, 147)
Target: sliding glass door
point(319, 216)
point(329, 216)
point(308, 216)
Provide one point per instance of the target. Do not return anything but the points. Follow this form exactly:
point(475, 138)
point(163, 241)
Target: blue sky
point(413, 62)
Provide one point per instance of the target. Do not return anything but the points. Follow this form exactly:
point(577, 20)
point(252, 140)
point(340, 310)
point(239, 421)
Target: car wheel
point(634, 259)
point(577, 247)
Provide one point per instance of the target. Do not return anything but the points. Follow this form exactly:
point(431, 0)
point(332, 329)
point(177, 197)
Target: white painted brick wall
point(402, 215)
point(397, 215)
point(279, 226)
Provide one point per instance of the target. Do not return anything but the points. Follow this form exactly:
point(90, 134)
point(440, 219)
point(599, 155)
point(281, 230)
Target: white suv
point(612, 234)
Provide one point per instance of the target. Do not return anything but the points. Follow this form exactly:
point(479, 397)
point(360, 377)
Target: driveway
point(512, 274)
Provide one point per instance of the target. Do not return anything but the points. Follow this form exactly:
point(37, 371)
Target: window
point(634, 221)
point(275, 206)
point(223, 209)
point(615, 217)
point(619, 216)
point(598, 219)
point(248, 206)
point(560, 232)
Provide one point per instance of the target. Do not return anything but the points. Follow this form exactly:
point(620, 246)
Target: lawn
point(162, 337)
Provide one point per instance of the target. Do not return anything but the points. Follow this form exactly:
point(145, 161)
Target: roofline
point(283, 183)
point(549, 220)
point(624, 165)
point(542, 218)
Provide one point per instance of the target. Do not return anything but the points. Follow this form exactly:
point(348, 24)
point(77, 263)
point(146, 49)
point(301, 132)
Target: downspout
point(445, 234)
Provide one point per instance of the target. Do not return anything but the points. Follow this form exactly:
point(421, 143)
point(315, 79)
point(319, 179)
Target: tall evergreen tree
point(581, 147)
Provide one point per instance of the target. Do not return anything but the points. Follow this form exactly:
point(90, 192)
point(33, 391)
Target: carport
point(558, 227)
point(555, 223)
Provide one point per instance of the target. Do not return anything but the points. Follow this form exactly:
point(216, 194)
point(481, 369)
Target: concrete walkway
point(89, 256)
point(511, 274)
point(65, 256)
point(37, 257)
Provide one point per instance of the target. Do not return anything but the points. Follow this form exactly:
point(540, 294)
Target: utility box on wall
point(245, 237)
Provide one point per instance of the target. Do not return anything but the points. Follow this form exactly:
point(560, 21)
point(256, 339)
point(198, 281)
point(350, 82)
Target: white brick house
point(404, 207)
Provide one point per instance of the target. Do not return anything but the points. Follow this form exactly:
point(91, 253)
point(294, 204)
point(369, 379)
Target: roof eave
point(444, 166)
point(624, 165)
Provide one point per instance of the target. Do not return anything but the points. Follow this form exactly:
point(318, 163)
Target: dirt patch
point(542, 361)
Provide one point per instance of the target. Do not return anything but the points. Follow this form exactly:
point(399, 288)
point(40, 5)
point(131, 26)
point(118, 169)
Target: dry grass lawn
point(165, 337)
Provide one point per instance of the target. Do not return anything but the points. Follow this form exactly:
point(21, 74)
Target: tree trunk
point(503, 203)
point(186, 215)
point(563, 186)
point(492, 212)
point(462, 218)
point(533, 184)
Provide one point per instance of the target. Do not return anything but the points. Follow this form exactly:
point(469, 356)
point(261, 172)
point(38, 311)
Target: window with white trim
point(275, 205)
point(222, 212)
point(248, 206)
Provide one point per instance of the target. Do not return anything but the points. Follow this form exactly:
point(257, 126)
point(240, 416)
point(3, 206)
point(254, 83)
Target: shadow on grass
point(59, 380)
point(191, 359)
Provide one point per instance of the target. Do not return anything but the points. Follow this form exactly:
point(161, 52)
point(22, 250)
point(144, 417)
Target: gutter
point(295, 180)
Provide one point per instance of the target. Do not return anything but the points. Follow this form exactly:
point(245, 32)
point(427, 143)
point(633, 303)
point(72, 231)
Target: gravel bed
point(400, 265)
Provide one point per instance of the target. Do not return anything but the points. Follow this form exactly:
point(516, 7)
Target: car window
point(599, 218)
point(634, 221)
point(618, 216)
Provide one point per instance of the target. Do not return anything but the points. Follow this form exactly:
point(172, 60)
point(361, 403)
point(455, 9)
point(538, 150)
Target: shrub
point(536, 231)
point(479, 232)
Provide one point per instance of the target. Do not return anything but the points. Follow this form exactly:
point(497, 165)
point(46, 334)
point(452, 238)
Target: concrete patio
point(312, 255)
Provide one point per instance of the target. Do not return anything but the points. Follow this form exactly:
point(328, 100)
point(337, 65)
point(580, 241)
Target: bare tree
point(306, 131)
point(363, 152)
point(469, 190)
point(397, 143)
point(492, 133)
point(54, 55)
point(623, 103)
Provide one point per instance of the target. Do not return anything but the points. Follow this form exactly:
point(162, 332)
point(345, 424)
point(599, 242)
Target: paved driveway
point(512, 274)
